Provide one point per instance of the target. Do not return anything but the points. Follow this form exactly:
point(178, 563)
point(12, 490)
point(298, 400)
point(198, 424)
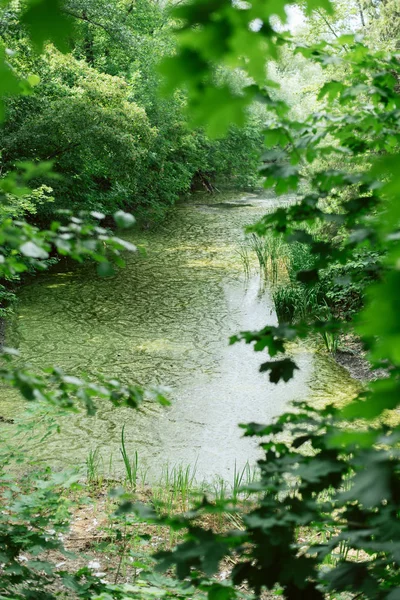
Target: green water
point(166, 319)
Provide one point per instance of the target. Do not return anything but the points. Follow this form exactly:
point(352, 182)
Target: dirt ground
point(352, 356)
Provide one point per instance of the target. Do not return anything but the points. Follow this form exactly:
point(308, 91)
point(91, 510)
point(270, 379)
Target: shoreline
point(353, 357)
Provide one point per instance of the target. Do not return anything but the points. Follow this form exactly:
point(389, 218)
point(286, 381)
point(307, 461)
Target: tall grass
point(176, 488)
point(243, 251)
point(330, 338)
point(300, 303)
point(296, 302)
point(131, 465)
point(242, 478)
point(219, 490)
point(94, 463)
point(180, 481)
point(180, 478)
point(271, 253)
point(299, 259)
point(286, 301)
point(331, 341)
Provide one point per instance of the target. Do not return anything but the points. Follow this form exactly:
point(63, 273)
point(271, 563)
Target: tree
point(340, 470)
point(97, 114)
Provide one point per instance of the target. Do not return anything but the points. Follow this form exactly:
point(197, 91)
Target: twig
point(327, 23)
point(62, 150)
point(360, 8)
point(84, 17)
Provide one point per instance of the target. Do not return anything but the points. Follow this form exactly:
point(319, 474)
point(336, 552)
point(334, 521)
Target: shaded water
point(167, 319)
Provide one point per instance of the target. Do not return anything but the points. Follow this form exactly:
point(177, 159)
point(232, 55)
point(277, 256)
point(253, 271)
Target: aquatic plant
point(357, 134)
point(271, 253)
point(286, 300)
point(244, 251)
point(179, 482)
point(220, 490)
point(299, 259)
point(297, 302)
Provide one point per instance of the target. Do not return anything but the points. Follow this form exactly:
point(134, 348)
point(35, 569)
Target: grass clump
point(94, 476)
point(279, 264)
point(271, 254)
point(131, 465)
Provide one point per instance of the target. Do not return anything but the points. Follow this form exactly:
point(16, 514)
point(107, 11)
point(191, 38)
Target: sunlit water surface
point(166, 319)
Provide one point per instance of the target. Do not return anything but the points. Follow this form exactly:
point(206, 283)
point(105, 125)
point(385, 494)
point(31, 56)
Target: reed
point(331, 341)
point(286, 300)
point(180, 482)
point(330, 338)
point(271, 253)
point(298, 302)
point(242, 478)
point(93, 468)
point(131, 465)
point(299, 259)
point(244, 253)
point(220, 490)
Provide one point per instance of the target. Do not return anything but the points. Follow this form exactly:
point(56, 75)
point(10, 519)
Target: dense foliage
point(332, 471)
point(95, 113)
point(339, 473)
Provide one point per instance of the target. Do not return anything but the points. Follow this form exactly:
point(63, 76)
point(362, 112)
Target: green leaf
point(309, 276)
point(384, 396)
point(371, 486)
point(227, 109)
point(279, 369)
point(124, 508)
point(46, 22)
point(124, 244)
point(97, 215)
point(32, 250)
point(317, 4)
point(276, 137)
point(349, 439)
point(186, 68)
point(33, 80)
point(332, 89)
point(9, 82)
point(124, 219)
point(218, 591)
point(347, 38)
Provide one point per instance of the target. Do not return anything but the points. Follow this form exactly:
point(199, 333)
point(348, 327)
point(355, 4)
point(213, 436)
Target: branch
point(84, 17)
point(360, 8)
point(116, 35)
point(62, 150)
point(327, 23)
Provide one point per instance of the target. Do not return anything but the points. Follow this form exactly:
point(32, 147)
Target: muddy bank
point(353, 357)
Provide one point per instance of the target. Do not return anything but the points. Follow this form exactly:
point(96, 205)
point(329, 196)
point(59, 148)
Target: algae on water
point(166, 318)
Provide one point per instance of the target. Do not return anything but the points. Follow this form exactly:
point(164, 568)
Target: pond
point(166, 319)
